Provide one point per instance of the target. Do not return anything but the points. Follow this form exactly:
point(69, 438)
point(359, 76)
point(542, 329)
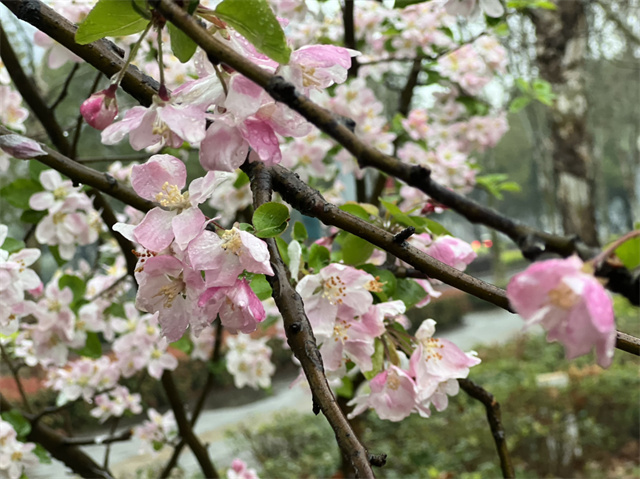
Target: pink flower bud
point(101, 108)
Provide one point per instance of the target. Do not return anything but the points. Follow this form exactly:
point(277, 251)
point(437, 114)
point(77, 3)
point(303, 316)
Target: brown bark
point(561, 55)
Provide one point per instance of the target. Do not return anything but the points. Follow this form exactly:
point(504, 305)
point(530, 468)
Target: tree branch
point(532, 242)
point(98, 440)
point(301, 339)
point(185, 429)
point(495, 423)
point(72, 456)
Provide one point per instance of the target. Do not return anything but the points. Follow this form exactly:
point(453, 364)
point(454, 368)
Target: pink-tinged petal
point(224, 148)
point(125, 230)
point(148, 179)
point(244, 97)
point(331, 352)
point(143, 136)
point(100, 109)
point(174, 321)
point(50, 179)
point(452, 251)
point(599, 306)
point(323, 56)
point(27, 256)
point(263, 140)
point(204, 249)
point(360, 352)
point(202, 188)
point(115, 132)
point(4, 231)
point(188, 122)
point(155, 232)
point(41, 201)
point(187, 225)
point(285, 121)
point(255, 256)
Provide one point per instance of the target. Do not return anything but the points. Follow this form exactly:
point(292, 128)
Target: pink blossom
point(452, 251)
point(239, 470)
point(436, 361)
point(161, 179)
point(471, 8)
point(101, 108)
point(12, 114)
point(570, 303)
point(238, 306)
point(249, 361)
point(318, 66)
point(393, 396)
point(225, 257)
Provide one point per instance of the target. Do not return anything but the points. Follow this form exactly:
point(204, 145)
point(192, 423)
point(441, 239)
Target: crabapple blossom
point(436, 361)
point(156, 432)
point(393, 395)
point(16, 458)
point(115, 403)
point(249, 361)
point(178, 217)
point(228, 255)
point(452, 251)
point(238, 306)
point(12, 114)
point(564, 297)
point(337, 291)
point(239, 470)
point(101, 108)
point(471, 8)
point(85, 377)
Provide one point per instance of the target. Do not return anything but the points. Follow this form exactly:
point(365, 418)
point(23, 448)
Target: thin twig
point(495, 423)
point(99, 440)
point(65, 87)
point(16, 378)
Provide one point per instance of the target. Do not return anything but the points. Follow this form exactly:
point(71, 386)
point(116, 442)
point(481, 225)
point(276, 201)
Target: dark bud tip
point(404, 235)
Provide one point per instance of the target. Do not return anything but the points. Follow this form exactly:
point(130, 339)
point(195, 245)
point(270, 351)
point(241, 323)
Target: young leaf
point(110, 18)
point(92, 348)
point(261, 287)
point(270, 219)
point(409, 292)
point(181, 45)
point(377, 360)
point(255, 21)
point(19, 191)
point(629, 253)
point(299, 232)
point(11, 245)
point(21, 425)
point(356, 250)
point(183, 344)
point(319, 257)
point(74, 283)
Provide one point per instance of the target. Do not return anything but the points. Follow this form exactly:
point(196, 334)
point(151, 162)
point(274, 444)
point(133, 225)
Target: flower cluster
point(16, 457)
point(71, 219)
point(115, 403)
point(429, 379)
point(249, 361)
point(156, 432)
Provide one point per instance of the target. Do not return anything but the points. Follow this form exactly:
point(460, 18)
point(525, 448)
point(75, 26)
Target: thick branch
point(98, 440)
point(532, 242)
point(72, 456)
point(495, 423)
point(102, 54)
point(301, 339)
point(90, 177)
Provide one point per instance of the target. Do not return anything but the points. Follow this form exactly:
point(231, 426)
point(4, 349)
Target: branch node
point(295, 328)
point(532, 246)
point(419, 175)
point(404, 235)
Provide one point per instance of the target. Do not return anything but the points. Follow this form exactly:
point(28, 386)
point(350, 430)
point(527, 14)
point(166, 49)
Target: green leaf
point(255, 21)
point(409, 292)
point(77, 286)
point(356, 210)
point(406, 3)
point(241, 180)
point(356, 250)
point(319, 257)
point(261, 287)
point(519, 103)
point(246, 227)
point(42, 454)
point(270, 219)
point(345, 390)
point(183, 344)
point(474, 106)
point(92, 348)
point(181, 45)
point(110, 18)
point(32, 217)
point(35, 168)
point(629, 253)
point(283, 249)
point(21, 425)
point(12, 245)
point(299, 232)
point(19, 191)
point(55, 252)
point(377, 360)
point(430, 225)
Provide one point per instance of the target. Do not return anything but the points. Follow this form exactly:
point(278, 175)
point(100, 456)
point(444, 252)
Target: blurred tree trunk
point(561, 49)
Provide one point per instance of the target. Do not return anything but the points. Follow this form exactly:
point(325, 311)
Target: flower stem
point(612, 247)
point(132, 55)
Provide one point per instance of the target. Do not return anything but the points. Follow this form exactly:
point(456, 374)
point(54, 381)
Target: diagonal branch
point(301, 339)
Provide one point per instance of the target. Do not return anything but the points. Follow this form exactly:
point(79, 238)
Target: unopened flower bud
point(101, 108)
